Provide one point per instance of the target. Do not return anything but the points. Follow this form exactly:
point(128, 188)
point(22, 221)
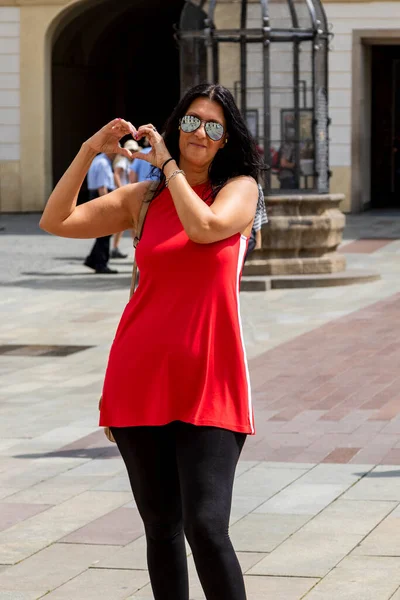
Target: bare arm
point(285, 164)
point(110, 213)
point(133, 177)
point(102, 191)
point(117, 176)
point(231, 212)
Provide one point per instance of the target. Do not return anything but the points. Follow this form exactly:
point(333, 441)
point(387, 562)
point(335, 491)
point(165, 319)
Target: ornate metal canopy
point(273, 55)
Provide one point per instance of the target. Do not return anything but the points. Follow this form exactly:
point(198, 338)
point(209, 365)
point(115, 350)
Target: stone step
point(348, 277)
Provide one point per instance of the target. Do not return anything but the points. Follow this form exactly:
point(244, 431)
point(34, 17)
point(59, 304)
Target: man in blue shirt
point(141, 169)
point(100, 180)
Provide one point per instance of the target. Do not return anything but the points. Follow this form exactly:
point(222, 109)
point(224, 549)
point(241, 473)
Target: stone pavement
point(316, 510)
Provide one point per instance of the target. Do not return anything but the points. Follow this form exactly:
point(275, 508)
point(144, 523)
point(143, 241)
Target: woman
point(176, 393)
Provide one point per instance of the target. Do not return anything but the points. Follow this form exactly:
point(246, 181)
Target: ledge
point(349, 277)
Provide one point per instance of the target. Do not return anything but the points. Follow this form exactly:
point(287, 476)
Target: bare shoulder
point(133, 196)
point(242, 185)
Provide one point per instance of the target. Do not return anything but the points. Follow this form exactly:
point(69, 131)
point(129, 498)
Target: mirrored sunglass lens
point(190, 124)
point(214, 130)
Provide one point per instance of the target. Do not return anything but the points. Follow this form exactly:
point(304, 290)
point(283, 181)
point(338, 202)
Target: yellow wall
point(341, 184)
point(10, 186)
point(25, 184)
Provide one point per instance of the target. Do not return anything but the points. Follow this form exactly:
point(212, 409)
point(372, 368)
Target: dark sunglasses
point(214, 130)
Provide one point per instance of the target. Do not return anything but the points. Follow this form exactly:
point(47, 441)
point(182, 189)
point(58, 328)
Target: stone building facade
point(59, 67)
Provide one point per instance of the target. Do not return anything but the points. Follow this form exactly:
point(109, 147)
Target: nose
point(201, 132)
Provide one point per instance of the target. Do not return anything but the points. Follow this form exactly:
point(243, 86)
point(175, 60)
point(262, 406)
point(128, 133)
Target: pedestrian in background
point(121, 168)
point(100, 181)
point(176, 394)
point(142, 170)
point(287, 161)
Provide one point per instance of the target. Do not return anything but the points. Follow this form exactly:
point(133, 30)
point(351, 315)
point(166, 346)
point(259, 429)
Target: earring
point(226, 141)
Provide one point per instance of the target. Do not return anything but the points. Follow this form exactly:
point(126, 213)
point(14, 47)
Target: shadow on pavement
point(90, 453)
point(381, 474)
point(81, 281)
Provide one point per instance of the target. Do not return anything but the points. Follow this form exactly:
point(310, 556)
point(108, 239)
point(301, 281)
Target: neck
point(195, 175)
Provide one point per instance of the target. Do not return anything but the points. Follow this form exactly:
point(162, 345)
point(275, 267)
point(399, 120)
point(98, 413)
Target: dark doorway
point(117, 59)
point(385, 129)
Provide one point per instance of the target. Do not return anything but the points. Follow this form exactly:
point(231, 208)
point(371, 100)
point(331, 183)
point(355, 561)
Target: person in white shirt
point(121, 167)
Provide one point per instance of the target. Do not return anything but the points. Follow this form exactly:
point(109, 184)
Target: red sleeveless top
point(178, 353)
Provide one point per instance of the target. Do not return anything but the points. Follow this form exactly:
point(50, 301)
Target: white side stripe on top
point(242, 252)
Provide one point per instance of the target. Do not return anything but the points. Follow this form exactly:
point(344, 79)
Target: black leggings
point(182, 479)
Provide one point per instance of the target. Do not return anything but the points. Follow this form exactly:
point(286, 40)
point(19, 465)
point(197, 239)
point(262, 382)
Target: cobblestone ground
point(316, 510)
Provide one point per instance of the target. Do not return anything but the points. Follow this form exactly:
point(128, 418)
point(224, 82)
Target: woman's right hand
point(107, 138)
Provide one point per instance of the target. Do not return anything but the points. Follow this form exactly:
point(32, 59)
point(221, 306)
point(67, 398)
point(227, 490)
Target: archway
point(103, 66)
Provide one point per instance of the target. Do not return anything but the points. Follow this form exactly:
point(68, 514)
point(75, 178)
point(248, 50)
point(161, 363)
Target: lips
point(198, 145)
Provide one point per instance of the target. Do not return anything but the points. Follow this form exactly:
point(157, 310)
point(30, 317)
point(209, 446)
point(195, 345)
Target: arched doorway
point(113, 59)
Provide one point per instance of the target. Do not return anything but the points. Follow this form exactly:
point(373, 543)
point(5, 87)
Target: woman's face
point(196, 147)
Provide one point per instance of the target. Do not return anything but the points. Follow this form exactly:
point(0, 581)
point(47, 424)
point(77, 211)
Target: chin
point(197, 156)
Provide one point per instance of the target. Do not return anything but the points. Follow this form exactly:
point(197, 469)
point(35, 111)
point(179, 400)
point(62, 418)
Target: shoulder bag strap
point(142, 217)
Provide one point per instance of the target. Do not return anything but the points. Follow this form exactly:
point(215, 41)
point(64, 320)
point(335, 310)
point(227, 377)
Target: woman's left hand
point(159, 152)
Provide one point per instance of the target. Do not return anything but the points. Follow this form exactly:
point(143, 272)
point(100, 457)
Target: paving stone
point(356, 578)
point(6, 492)
point(98, 467)
point(382, 483)
point(356, 517)
point(120, 483)
point(248, 560)
point(27, 477)
point(283, 465)
point(282, 588)
point(245, 465)
point(113, 584)
point(26, 538)
point(263, 533)
point(13, 595)
point(302, 499)
point(265, 482)
point(336, 474)
point(384, 540)
point(51, 567)
point(55, 490)
point(132, 556)
point(118, 527)
point(307, 554)
point(10, 514)
point(243, 505)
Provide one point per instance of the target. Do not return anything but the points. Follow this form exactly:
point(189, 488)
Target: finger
point(133, 128)
point(120, 129)
point(113, 123)
point(125, 127)
point(148, 125)
point(142, 156)
point(148, 131)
